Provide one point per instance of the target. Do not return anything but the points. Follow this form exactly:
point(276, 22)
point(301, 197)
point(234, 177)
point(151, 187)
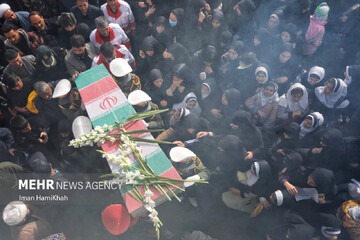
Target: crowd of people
point(263, 93)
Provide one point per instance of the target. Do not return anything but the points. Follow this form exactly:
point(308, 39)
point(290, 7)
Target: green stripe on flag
point(119, 114)
point(158, 161)
point(91, 76)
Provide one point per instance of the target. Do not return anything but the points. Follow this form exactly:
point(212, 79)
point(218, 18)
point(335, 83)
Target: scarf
point(319, 71)
point(329, 100)
point(286, 101)
point(111, 14)
point(251, 178)
point(265, 100)
point(317, 121)
point(100, 40)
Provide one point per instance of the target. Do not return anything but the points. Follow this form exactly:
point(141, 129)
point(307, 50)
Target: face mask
point(172, 24)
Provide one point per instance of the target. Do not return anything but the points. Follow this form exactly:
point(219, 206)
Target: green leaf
point(138, 116)
point(136, 139)
point(138, 131)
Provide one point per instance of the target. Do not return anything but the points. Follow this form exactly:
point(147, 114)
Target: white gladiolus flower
point(148, 193)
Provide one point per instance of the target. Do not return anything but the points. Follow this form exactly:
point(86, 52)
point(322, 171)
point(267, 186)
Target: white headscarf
point(286, 101)
point(319, 71)
point(196, 109)
point(354, 212)
point(262, 69)
point(317, 121)
point(265, 100)
point(329, 100)
point(251, 178)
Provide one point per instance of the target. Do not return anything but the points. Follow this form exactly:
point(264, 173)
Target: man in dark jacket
point(86, 13)
point(44, 29)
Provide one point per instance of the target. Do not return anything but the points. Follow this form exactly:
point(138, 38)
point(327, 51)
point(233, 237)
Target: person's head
point(20, 124)
point(191, 102)
point(329, 86)
point(43, 89)
point(285, 52)
point(261, 74)
point(314, 79)
point(156, 78)
point(262, 37)
point(107, 49)
point(83, 6)
point(209, 55)
point(10, 33)
point(15, 213)
point(288, 33)
point(205, 89)
point(297, 94)
point(217, 19)
point(273, 21)
point(12, 81)
point(102, 26)
point(67, 21)
point(308, 121)
point(37, 21)
point(149, 46)
point(160, 23)
point(269, 89)
point(173, 19)
point(64, 128)
point(46, 57)
point(13, 57)
point(292, 131)
point(77, 42)
point(247, 59)
point(311, 182)
point(182, 74)
point(236, 48)
point(112, 3)
point(322, 11)
point(39, 164)
point(9, 14)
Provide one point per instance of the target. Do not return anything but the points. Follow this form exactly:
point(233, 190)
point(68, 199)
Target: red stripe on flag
point(98, 89)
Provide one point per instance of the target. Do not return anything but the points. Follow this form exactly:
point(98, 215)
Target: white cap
point(14, 213)
point(138, 97)
point(180, 154)
point(81, 125)
point(3, 8)
point(62, 88)
point(119, 67)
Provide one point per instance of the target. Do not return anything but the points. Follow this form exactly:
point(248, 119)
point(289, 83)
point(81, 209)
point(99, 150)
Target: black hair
point(7, 28)
point(297, 91)
point(107, 49)
point(34, 13)
point(10, 54)
point(313, 75)
point(248, 58)
point(10, 80)
point(18, 122)
point(209, 54)
point(77, 41)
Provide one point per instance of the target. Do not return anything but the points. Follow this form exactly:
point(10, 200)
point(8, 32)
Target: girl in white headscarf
point(263, 106)
point(190, 102)
point(333, 94)
point(311, 129)
point(313, 79)
point(294, 103)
